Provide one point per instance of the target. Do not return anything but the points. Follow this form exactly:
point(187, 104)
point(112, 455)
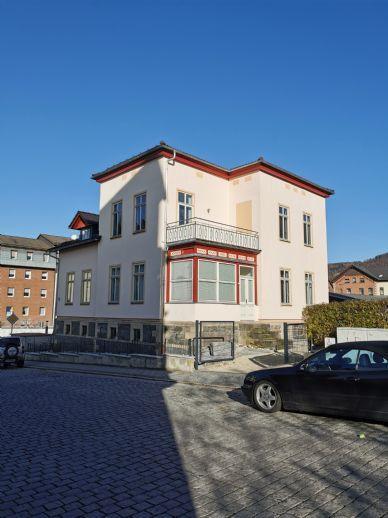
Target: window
point(381, 290)
point(30, 256)
point(136, 334)
point(348, 290)
point(354, 280)
point(308, 285)
point(67, 329)
point(43, 294)
point(362, 280)
point(114, 285)
point(362, 291)
point(207, 281)
point(307, 234)
point(46, 257)
point(10, 292)
point(124, 332)
point(11, 274)
point(8, 311)
point(75, 328)
point(185, 207)
point(25, 311)
point(27, 274)
point(117, 209)
point(140, 212)
point(14, 254)
point(86, 285)
point(283, 223)
point(26, 292)
point(216, 282)
point(42, 312)
point(138, 270)
point(370, 291)
point(285, 287)
point(102, 330)
point(85, 233)
point(69, 292)
point(181, 281)
point(335, 359)
point(371, 360)
point(44, 276)
point(113, 333)
point(84, 330)
point(92, 329)
point(347, 280)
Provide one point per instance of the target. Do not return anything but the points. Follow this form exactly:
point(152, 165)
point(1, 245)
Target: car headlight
point(250, 377)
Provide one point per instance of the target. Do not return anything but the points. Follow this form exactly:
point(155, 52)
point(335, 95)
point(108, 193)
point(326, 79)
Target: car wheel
point(11, 352)
point(266, 397)
point(20, 363)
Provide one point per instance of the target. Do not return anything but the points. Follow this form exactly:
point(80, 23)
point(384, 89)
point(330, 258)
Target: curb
point(131, 376)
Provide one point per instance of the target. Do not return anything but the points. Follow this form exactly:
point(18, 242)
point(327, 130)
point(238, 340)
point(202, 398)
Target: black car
point(11, 351)
point(348, 379)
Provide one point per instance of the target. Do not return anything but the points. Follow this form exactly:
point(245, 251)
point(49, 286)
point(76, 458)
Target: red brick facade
point(354, 282)
point(35, 302)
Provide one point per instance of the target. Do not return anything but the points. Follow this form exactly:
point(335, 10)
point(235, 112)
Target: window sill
point(68, 303)
point(113, 302)
point(84, 303)
point(308, 246)
point(137, 301)
point(286, 304)
point(139, 231)
point(115, 237)
point(284, 240)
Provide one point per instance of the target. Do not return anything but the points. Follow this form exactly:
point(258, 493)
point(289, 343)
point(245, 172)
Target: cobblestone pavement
point(82, 445)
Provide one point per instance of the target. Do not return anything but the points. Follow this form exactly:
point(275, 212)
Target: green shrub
point(323, 319)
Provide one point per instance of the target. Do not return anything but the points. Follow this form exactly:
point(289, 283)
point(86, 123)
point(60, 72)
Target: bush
point(323, 319)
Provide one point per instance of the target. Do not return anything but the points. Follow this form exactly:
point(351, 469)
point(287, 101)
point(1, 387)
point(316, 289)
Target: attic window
point(85, 233)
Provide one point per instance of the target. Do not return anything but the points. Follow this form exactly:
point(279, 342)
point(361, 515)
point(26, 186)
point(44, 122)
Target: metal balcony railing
point(205, 231)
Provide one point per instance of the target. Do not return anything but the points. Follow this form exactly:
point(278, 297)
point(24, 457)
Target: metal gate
point(214, 341)
point(296, 343)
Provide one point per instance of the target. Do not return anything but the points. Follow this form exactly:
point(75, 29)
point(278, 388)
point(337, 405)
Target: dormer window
point(85, 233)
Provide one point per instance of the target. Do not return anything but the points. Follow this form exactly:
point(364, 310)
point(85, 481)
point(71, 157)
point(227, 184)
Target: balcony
point(204, 231)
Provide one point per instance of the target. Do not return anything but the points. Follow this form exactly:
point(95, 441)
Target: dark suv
point(11, 351)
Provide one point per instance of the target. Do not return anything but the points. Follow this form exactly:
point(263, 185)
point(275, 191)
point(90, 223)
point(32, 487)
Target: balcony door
point(247, 293)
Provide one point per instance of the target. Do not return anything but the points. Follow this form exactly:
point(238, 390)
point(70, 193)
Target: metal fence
point(70, 344)
point(185, 349)
point(214, 341)
point(296, 342)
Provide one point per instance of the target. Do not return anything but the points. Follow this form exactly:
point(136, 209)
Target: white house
point(178, 239)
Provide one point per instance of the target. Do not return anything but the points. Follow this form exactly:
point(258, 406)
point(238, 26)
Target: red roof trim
point(213, 169)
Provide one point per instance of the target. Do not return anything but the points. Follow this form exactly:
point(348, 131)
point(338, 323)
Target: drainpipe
point(164, 254)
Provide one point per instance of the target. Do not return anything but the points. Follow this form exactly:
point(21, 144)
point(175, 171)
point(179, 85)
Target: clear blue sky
point(85, 84)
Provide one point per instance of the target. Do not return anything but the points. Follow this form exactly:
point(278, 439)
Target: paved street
point(85, 445)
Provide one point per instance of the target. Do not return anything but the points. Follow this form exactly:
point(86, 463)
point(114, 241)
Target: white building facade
point(178, 239)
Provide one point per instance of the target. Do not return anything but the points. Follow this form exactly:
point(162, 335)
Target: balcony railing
point(202, 230)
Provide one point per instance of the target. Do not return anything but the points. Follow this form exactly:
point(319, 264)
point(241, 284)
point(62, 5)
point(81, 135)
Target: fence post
point(286, 344)
point(196, 345)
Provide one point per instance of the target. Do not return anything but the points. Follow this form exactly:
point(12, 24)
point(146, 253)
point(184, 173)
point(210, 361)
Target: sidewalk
point(200, 377)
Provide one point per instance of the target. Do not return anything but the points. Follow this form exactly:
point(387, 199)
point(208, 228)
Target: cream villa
point(178, 239)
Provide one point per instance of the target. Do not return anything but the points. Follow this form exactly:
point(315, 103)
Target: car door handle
point(352, 378)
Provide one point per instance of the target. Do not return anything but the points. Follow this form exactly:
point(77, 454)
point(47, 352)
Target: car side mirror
point(303, 367)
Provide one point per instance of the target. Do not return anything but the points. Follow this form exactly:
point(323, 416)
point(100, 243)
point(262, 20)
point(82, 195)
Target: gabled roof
point(164, 150)
point(42, 242)
point(84, 219)
point(53, 240)
point(374, 272)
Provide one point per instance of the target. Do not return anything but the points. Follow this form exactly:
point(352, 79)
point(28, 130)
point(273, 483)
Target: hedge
point(323, 319)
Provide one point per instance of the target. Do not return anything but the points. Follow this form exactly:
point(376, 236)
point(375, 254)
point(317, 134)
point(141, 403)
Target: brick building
point(27, 279)
point(356, 280)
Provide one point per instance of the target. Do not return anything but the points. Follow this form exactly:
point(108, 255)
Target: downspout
point(163, 256)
